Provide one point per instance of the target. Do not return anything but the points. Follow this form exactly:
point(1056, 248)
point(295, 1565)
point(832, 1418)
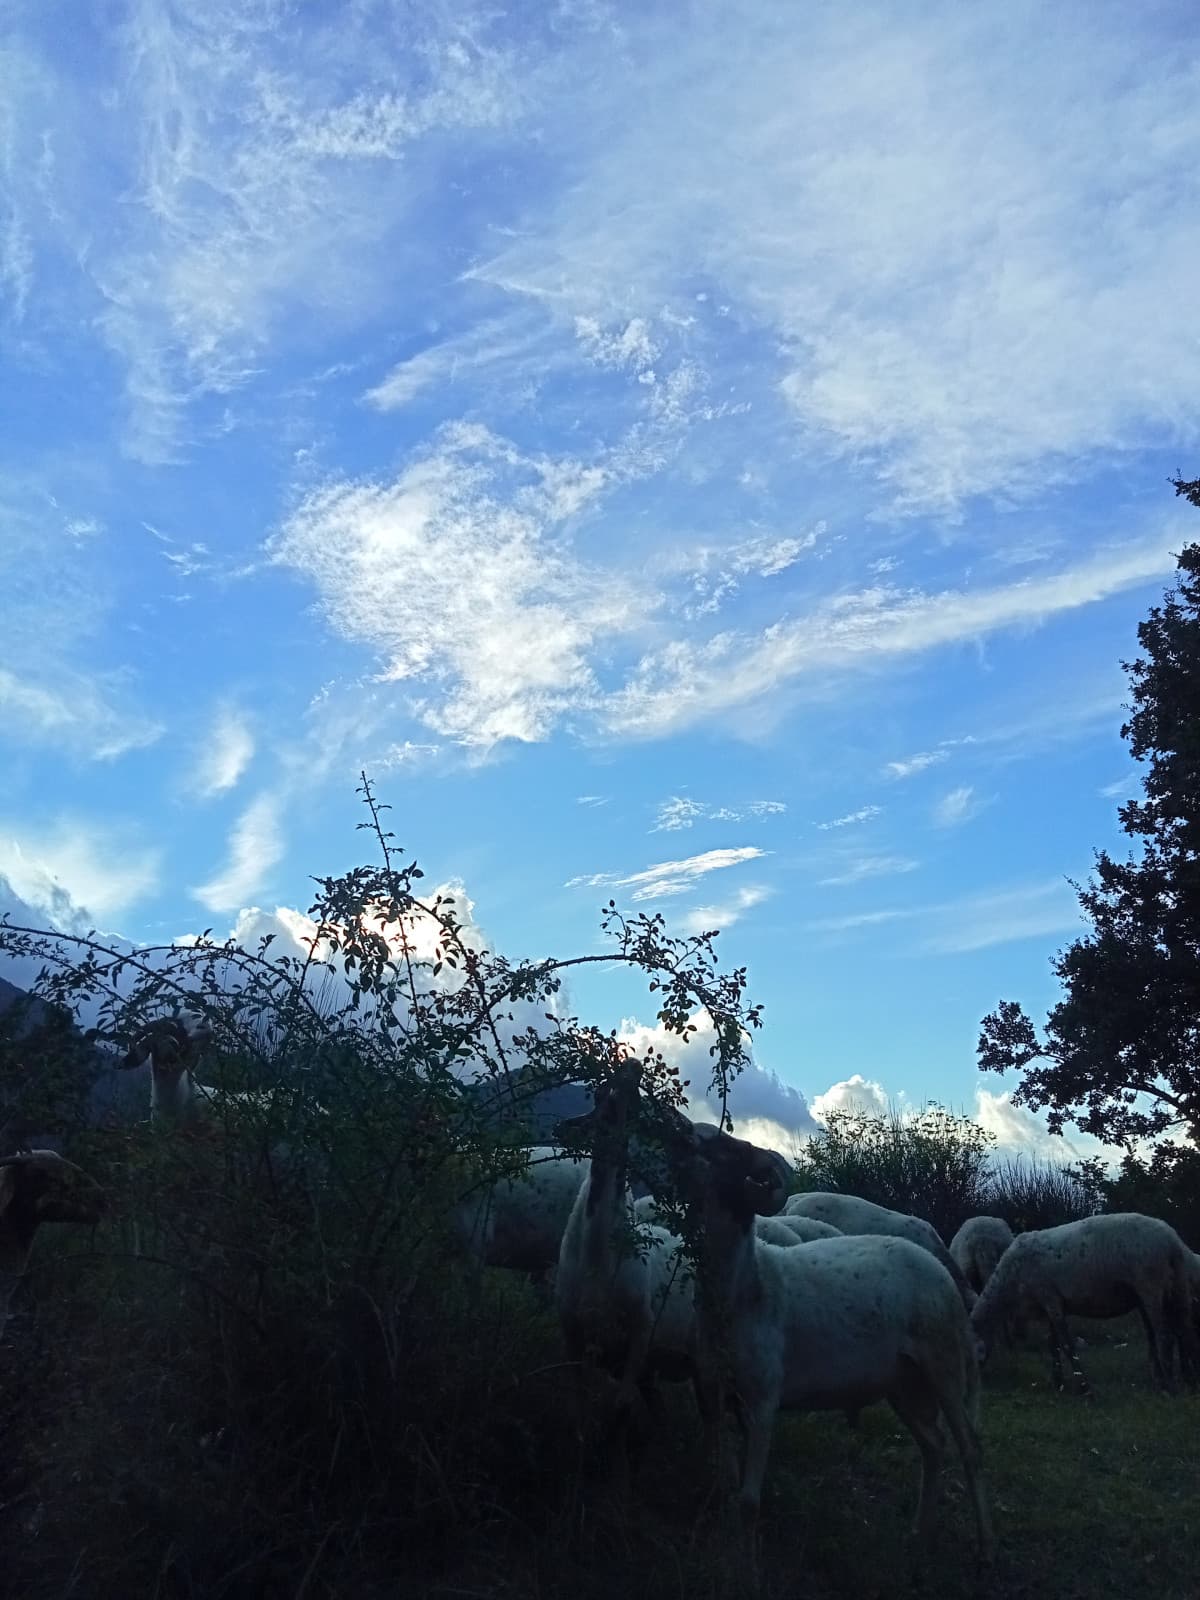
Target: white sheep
point(806, 1229)
point(623, 1291)
point(519, 1222)
point(38, 1186)
point(774, 1230)
point(173, 1046)
point(853, 1215)
point(978, 1246)
point(841, 1323)
point(1102, 1266)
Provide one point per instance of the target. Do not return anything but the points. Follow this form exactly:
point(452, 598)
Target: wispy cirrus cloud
point(870, 866)
point(256, 846)
point(667, 878)
point(959, 337)
point(972, 922)
point(688, 684)
point(724, 913)
point(227, 751)
point(682, 812)
point(957, 806)
point(851, 818)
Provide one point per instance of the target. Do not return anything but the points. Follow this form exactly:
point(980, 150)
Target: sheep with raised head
point(38, 1186)
point(622, 1289)
point(173, 1046)
point(852, 1215)
point(978, 1246)
point(1101, 1266)
point(839, 1324)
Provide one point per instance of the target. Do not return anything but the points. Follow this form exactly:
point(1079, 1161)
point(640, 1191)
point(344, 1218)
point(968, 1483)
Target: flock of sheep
point(805, 1302)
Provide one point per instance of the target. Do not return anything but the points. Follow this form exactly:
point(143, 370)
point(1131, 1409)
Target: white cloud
point(1122, 788)
point(228, 750)
point(764, 1108)
point(870, 867)
point(908, 765)
point(667, 878)
point(679, 812)
point(1019, 1132)
point(967, 248)
point(450, 575)
point(990, 919)
point(863, 814)
point(725, 912)
point(592, 800)
point(685, 684)
point(75, 711)
point(955, 807)
point(255, 847)
point(857, 1095)
point(975, 921)
point(77, 872)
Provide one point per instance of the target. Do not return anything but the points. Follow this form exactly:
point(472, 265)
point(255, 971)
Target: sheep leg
point(918, 1411)
point(1061, 1337)
point(970, 1453)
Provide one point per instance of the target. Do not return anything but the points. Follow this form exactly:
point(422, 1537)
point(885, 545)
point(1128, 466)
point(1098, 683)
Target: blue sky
point(713, 456)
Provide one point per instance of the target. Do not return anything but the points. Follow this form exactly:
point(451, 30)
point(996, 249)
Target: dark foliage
point(1120, 1053)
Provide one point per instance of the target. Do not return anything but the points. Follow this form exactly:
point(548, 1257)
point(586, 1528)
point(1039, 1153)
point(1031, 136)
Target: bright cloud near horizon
point(748, 425)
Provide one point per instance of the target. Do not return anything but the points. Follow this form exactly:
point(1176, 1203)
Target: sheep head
point(170, 1044)
point(41, 1186)
point(615, 1103)
point(745, 1179)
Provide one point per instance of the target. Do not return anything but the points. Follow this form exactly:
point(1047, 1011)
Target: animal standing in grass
point(1103, 1266)
point(978, 1246)
point(838, 1324)
point(38, 1186)
point(852, 1215)
point(624, 1299)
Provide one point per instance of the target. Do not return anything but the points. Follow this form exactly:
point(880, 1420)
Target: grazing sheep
point(624, 1297)
point(841, 1323)
point(38, 1186)
point(853, 1215)
point(1102, 1266)
point(978, 1246)
point(519, 1222)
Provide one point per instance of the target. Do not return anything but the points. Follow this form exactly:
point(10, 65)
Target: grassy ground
point(1098, 1499)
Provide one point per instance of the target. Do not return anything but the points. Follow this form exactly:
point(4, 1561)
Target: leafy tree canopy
point(1119, 1055)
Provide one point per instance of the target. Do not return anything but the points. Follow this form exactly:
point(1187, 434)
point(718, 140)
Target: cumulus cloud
point(1018, 1131)
point(77, 872)
point(856, 1095)
point(227, 751)
point(256, 845)
point(764, 1108)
